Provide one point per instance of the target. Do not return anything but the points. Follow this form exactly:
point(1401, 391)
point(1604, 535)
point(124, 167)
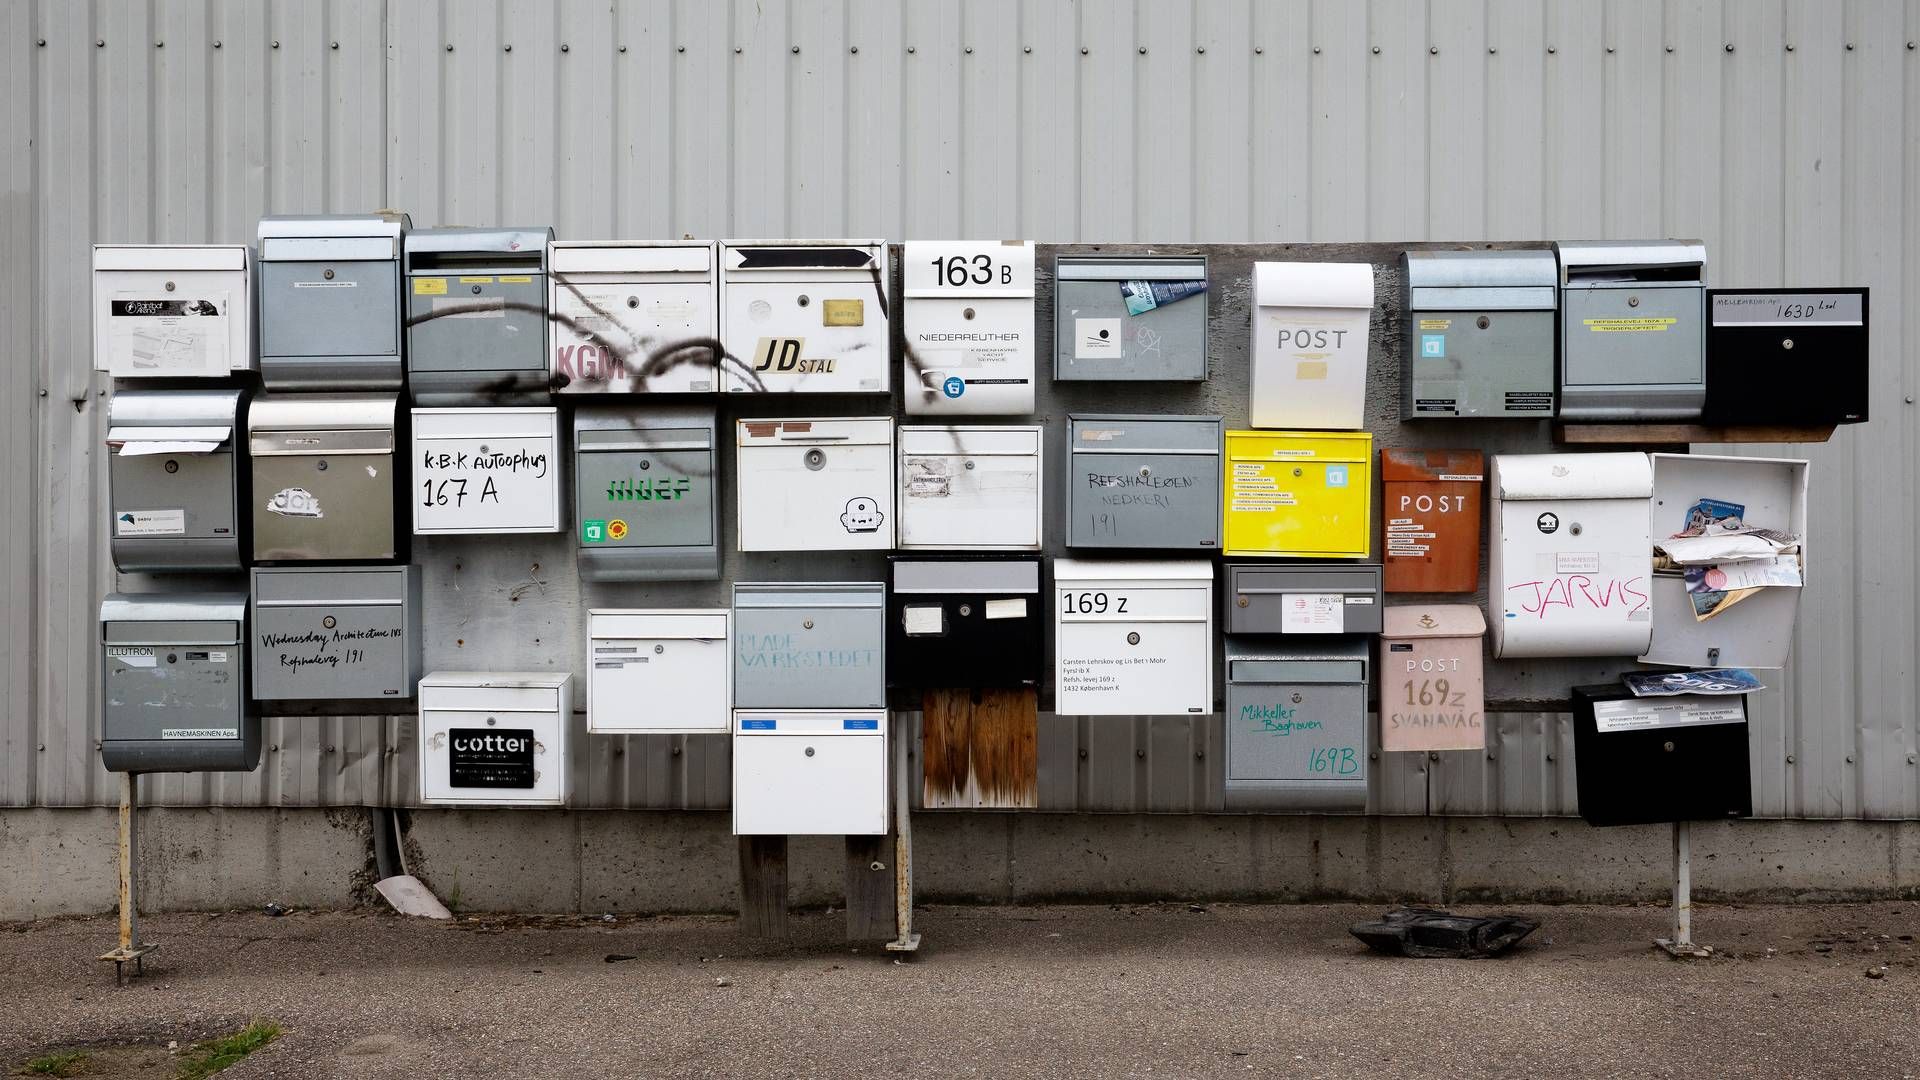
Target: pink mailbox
point(1432, 689)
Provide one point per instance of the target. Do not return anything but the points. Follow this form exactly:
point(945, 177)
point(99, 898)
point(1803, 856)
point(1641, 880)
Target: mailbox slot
point(1143, 482)
point(810, 773)
point(1479, 334)
point(1632, 329)
point(968, 314)
point(1432, 682)
point(659, 672)
point(495, 738)
point(819, 645)
point(816, 485)
point(1296, 725)
point(805, 316)
point(1643, 761)
point(1097, 335)
point(1310, 330)
point(972, 488)
point(323, 633)
point(1303, 599)
point(174, 480)
point(173, 679)
point(486, 470)
point(323, 478)
point(1761, 340)
point(172, 311)
point(1431, 502)
point(964, 622)
point(477, 315)
point(647, 493)
point(1133, 638)
point(1570, 571)
point(330, 302)
point(1299, 493)
point(633, 318)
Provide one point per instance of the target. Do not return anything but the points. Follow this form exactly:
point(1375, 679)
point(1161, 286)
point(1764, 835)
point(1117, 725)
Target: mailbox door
point(817, 337)
point(477, 322)
point(182, 496)
point(308, 649)
point(1305, 498)
point(455, 769)
point(1144, 500)
point(1432, 694)
point(658, 498)
point(800, 496)
point(809, 784)
point(1303, 599)
point(1296, 732)
point(173, 323)
point(809, 657)
point(1112, 664)
point(486, 470)
point(349, 515)
point(641, 685)
point(1462, 368)
point(1562, 593)
point(970, 500)
point(1431, 502)
point(349, 308)
point(605, 331)
point(1620, 337)
point(1095, 338)
point(183, 689)
point(971, 356)
point(1310, 368)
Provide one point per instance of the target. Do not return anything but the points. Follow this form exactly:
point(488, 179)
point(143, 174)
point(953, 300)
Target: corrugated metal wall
point(1786, 134)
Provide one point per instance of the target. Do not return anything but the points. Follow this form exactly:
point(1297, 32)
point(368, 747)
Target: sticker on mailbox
point(1097, 339)
point(168, 336)
point(490, 758)
point(843, 313)
point(150, 523)
point(172, 734)
point(1433, 346)
point(593, 532)
point(430, 286)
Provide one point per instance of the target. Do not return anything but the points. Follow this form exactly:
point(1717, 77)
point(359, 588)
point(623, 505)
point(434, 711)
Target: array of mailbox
point(483, 325)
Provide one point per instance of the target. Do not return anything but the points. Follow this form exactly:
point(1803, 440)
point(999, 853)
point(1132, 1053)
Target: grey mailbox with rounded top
point(1143, 482)
point(647, 493)
point(1479, 334)
point(1633, 329)
point(330, 301)
point(809, 645)
point(323, 477)
point(1161, 335)
point(332, 633)
point(173, 681)
point(174, 480)
point(477, 315)
point(1297, 725)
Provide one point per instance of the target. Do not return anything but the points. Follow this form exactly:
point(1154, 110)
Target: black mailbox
point(964, 622)
point(1644, 760)
point(1786, 356)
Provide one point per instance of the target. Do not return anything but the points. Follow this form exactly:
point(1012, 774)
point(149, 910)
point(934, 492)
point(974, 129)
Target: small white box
point(495, 738)
point(815, 485)
point(172, 311)
point(801, 773)
point(1310, 323)
point(968, 312)
point(619, 307)
point(486, 470)
point(805, 316)
point(1133, 638)
point(970, 488)
point(658, 672)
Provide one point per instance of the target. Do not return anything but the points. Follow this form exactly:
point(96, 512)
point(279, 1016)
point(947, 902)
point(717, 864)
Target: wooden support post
point(131, 947)
point(870, 913)
point(763, 886)
point(905, 940)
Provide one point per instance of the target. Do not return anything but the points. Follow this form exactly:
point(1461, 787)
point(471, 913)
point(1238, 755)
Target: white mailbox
point(805, 316)
point(968, 313)
point(815, 485)
point(800, 773)
point(495, 738)
point(172, 312)
point(970, 488)
point(655, 672)
point(632, 318)
point(1702, 575)
point(1571, 566)
point(1310, 323)
point(486, 470)
point(1133, 638)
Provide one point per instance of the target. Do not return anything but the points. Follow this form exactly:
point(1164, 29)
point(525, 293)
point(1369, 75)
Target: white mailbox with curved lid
point(1133, 637)
point(1571, 569)
point(1310, 323)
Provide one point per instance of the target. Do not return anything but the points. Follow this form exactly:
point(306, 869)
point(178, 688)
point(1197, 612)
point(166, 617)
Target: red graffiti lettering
point(1565, 590)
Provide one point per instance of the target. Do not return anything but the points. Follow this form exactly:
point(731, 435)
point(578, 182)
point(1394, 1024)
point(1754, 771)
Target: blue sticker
point(1336, 476)
point(860, 725)
point(1433, 345)
point(954, 386)
point(757, 725)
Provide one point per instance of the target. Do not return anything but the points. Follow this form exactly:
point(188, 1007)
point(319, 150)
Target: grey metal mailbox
point(1303, 599)
point(323, 477)
point(1296, 725)
point(173, 681)
point(1130, 317)
point(330, 301)
point(174, 481)
point(1479, 334)
point(809, 645)
point(1143, 482)
point(647, 493)
point(477, 315)
point(1632, 329)
point(328, 633)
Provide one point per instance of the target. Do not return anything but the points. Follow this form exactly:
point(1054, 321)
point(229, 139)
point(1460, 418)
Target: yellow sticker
point(429, 286)
point(1310, 369)
point(476, 281)
point(1436, 324)
point(843, 313)
point(521, 279)
point(1627, 326)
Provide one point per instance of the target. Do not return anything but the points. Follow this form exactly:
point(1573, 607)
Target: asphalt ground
point(1096, 991)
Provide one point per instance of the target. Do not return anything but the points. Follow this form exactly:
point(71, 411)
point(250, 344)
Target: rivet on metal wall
point(159, 44)
point(216, 44)
point(102, 43)
point(912, 49)
point(1316, 50)
point(1789, 46)
point(1376, 50)
point(277, 45)
point(853, 48)
point(796, 48)
point(1257, 50)
point(1083, 50)
point(333, 45)
point(564, 47)
point(969, 50)
point(449, 45)
point(1027, 49)
point(1143, 50)
point(43, 43)
point(1201, 49)
point(1609, 50)
point(1552, 49)
point(506, 48)
point(1729, 46)
point(1433, 50)
point(1492, 51)
point(1849, 46)
point(1669, 48)
point(737, 50)
point(682, 48)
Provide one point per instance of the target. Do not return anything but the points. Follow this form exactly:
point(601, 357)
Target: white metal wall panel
point(1784, 132)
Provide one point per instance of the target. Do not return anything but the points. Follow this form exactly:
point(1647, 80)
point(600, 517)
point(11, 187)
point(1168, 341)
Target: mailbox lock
point(321, 465)
point(491, 721)
point(327, 622)
point(645, 465)
point(476, 290)
point(804, 300)
point(659, 649)
point(633, 301)
point(169, 286)
point(1296, 697)
point(1133, 638)
point(809, 751)
point(816, 459)
point(1668, 746)
point(969, 466)
point(1633, 301)
point(328, 274)
point(966, 313)
point(1786, 343)
point(1573, 529)
point(171, 466)
point(1483, 322)
point(966, 610)
point(1298, 472)
point(173, 658)
point(806, 624)
point(1241, 600)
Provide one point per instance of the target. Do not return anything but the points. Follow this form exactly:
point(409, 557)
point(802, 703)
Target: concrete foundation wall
point(61, 862)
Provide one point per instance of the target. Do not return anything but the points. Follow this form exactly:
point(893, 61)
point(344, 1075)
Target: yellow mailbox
point(1299, 493)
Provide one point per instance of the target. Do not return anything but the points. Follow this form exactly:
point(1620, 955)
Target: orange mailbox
point(1432, 687)
point(1431, 503)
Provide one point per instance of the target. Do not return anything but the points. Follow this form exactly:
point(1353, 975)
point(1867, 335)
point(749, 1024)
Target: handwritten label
point(1787, 309)
point(285, 658)
point(787, 652)
point(478, 485)
point(1577, 593)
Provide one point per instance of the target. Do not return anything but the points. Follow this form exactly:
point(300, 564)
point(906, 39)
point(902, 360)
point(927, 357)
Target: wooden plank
point(980, 749)
point(1675, 434)
point(870, 915)
point(763, 886)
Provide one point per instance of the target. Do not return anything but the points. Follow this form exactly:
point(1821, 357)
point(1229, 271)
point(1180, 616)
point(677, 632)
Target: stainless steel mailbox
point(809, 645)
point(330, 301)
point(1130, 317)
point(1479, 334)
point(1632, 329)
point(332, 633)
point(1303, 599)
point(1143, 482)
point(647, 493)
point(1297, 725)
point(173, 680)
point(477, 315)
point(323, 478)
point(174, 480)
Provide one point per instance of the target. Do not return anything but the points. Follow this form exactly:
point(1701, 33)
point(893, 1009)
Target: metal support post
point(903, 779)
point(131, 947)
point(1681, 944)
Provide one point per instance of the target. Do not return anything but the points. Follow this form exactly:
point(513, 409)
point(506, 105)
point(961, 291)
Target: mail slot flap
point(808, 594)
point(969, 441)
point(330, 249)
point(1632, 263)
point(1262, 580)
point(1096, 433)
point(532, 422)
point(1283, 446)
point(577, 257)
point(146, 441)
point(322, 412)
point(777, 259)
point(197, 632)
point(1433, 621)
point(644, 440)
point(1313, 285)
point(180, 257)
point(1172, 572)
point(345, 587)
point(320, 441)
point(1787, 307)
point(861, 431)
point(930, 267)
point(950, 576)
point(501, 691)
point(1117, 268)
point(1429, 466)
point(1296, 671)
point(1526, 477)
point(1773, 491)
point(1473, 270)
point(1529, 299)
point(385, 225)
point(215, 607)
point(852, 722)
point(701, 625)
point(430, 250)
